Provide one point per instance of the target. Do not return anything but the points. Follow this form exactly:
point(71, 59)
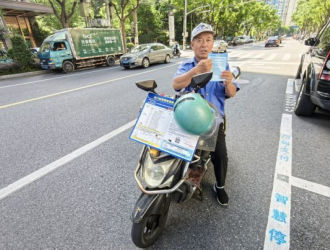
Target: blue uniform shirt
point(214, 91)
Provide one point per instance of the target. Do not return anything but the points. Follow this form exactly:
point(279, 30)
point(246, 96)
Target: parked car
point(238, 41)
point(272, 41)
point(251, 40)
point(279, 38)
point(243, 39)
point(314, 73)
point(220, 46)
point(146, 54)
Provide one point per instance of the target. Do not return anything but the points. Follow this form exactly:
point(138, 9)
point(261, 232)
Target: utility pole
point(184, 26)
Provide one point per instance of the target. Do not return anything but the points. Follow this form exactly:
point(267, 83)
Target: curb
point(39, 72)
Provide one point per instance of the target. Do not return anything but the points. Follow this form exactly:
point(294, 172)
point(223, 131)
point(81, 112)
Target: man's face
point(202, 45)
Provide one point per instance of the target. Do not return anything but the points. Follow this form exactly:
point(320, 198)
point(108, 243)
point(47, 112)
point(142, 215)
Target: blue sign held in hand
point(219, 64)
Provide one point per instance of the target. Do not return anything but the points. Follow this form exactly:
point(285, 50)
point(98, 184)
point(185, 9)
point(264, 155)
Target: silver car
point(145, 54)
point(220, 46)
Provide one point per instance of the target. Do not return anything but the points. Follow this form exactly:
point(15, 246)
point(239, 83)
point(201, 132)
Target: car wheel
point(167, 58)
point(304, 105)
point(266, 46)
point(145, 62)
point(68, 67)
point(110, 61)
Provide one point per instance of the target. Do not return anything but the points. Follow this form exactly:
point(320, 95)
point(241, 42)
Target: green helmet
point(193, 114)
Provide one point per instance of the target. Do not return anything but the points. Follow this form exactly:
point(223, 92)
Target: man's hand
point(203, 66)
point(228, 76)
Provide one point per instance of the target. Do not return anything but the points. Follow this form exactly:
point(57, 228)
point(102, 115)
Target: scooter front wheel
point(146, 232)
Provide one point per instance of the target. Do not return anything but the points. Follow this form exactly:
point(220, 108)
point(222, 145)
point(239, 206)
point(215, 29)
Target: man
point(176, 48)
point(215, 92)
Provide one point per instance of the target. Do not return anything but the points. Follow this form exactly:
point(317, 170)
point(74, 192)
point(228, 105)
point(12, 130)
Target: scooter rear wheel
point(146, 232)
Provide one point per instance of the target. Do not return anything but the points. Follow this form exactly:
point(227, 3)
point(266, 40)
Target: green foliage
point(10, 68)
point(150, 24)
point(130, 45)
point(311, 15)
point(51, 23)
point(20, 53)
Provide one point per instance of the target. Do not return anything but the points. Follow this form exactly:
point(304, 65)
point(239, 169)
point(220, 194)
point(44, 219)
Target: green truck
point(73, 48)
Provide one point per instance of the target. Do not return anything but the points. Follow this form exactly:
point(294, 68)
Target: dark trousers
point(219, 157)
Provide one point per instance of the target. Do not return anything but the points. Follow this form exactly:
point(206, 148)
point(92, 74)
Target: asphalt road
point(49, 122)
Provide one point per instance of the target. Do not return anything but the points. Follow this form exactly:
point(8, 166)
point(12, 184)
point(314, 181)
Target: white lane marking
point(259, 55)
point(235, 55)
point(286, 57)
point(277, 235)
point(54, 78)
point(60, 162)
point(271, 57)
point(246, 55)
point(310, 186)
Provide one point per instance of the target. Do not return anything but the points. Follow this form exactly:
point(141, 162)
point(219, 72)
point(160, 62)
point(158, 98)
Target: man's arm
point(184, 80)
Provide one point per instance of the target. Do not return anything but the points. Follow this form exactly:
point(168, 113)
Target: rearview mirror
point(147, 85)
point(236, 71)
point(200, 80)
point(310, 41)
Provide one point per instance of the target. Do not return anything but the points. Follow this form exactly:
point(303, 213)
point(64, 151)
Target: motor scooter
point(164, 178)
point(176, 52)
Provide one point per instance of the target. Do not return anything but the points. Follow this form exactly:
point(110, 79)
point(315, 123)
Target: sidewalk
point(39, 72)
point(187, 53)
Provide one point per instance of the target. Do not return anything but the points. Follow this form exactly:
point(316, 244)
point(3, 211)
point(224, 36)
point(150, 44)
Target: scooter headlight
point(154, 174)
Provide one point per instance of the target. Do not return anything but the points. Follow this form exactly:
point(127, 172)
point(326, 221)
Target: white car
point(220, 46)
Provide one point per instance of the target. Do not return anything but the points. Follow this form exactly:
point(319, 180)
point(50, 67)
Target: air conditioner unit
point(99, 22)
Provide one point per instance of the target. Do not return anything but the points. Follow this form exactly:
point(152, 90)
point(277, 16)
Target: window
point(45, 47)
point(59, 46)
point(323, 46)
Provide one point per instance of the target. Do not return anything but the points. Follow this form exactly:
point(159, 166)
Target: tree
point(60, 11)
point(20, 52)
point(151, 27)
point(124, 9)
point(311, 15)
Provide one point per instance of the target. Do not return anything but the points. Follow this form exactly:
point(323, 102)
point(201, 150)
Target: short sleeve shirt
point(214, 91)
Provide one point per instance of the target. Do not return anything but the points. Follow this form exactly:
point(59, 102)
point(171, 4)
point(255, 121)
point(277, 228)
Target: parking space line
point(277, 235)
point(310, 186)
point(60, 162)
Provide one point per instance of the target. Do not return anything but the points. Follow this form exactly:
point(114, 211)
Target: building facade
point(18, 18)
point(285, 9)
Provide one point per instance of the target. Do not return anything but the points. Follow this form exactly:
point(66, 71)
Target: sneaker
point(222, 196)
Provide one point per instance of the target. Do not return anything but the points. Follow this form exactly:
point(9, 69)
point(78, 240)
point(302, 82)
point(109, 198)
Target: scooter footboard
point(147, 204)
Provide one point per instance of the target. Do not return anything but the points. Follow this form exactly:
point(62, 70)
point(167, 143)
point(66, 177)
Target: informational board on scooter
point(157, 128)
